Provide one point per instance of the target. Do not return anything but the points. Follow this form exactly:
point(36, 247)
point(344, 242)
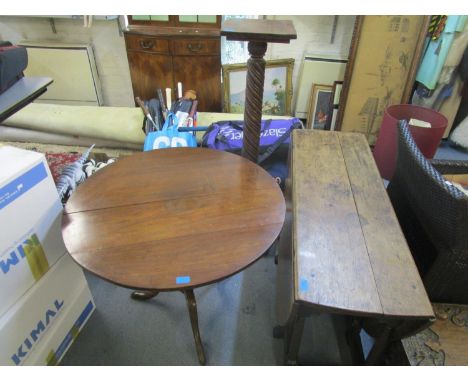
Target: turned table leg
point(254, 99)
point(192, 308)
point(258, 33)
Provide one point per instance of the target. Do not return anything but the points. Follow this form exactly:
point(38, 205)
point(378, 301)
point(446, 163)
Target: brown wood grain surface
point(161, 62)
point(147, 44)
point(400, 288)
point(350, 254)
point(281, 31)
point(155, 216)
point(192, 46)
point(201, 73)
point(143, 66)
point(332, 264)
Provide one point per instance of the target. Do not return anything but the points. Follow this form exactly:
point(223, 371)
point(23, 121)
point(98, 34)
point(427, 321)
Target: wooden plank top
point(172, 219)
point(281, 31)
point(350, 253)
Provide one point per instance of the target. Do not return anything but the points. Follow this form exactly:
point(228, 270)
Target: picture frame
point(336, 90)
point(277, 93)
point(334, 105)
point(319, 106)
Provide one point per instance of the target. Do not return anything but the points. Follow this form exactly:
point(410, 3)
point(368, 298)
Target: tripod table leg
point(192, 308)
point(144, 294)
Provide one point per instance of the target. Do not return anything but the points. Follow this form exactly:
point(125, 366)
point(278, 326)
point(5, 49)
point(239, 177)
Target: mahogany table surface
point(173, 218)
point(279, 31)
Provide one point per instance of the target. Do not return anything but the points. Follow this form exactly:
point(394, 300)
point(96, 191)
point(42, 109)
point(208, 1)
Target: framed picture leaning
point(319, 106)
point(334, 105)
point(277, 93)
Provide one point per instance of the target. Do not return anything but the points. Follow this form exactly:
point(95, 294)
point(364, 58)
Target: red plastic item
point(427, 139)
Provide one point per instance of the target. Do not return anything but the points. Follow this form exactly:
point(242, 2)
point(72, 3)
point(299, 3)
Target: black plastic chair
point(433, 215)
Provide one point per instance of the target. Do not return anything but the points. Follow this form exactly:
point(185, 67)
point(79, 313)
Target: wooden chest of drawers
point(161, 59)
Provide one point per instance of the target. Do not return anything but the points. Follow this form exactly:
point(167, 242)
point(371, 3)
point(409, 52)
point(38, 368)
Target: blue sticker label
point(182, 279)
point(303, 285)
point(22, 184)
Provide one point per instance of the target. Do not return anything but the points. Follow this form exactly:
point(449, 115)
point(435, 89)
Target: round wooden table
point(173, 219)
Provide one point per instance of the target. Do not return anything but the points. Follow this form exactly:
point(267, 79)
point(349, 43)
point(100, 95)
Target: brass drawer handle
point(146, 44)
point(195, 48)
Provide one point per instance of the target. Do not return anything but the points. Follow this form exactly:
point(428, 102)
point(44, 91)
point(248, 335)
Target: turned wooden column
point(258, 33)
point(253, 99)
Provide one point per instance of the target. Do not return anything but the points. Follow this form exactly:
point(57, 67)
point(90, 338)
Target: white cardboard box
point(56, 343)
point(32, 321)
point(30, 219)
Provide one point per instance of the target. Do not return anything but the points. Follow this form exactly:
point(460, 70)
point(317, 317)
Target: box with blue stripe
point(30, 217)
point(43, 324)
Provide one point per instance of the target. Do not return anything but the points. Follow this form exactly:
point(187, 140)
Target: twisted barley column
point(253, 99)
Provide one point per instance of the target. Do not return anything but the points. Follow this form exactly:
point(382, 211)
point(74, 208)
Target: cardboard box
point(56, 343)
point(34, 319)
point(30, 216)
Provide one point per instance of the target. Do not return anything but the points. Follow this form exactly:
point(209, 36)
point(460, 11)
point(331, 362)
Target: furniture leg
point(293, 336)
point(354, 341)
point(143, 295)
point(258, 33)
point(192, 308)
point(253, 99)
point(379, 347)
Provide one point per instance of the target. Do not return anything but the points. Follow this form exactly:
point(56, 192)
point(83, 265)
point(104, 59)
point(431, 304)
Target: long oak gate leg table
point(342, 250)
point(173, 219)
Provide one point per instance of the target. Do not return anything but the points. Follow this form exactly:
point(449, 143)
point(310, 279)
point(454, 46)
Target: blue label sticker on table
point(182, 279)
point(303, 285)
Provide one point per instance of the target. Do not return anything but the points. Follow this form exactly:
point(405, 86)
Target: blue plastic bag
point(169, 136)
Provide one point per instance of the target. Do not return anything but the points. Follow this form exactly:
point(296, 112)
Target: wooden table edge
point(348, 312)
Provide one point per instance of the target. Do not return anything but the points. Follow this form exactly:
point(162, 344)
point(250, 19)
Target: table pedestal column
point(253, 99)
point(258, 33)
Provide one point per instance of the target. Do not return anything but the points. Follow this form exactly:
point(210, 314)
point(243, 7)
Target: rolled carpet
point(117, 124)
point(122, 124)
point(16, 134)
